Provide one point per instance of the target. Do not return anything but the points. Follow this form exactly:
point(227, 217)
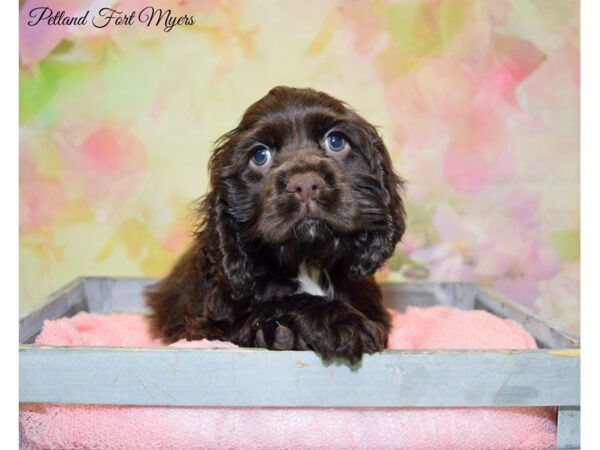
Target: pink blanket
point(53, 426)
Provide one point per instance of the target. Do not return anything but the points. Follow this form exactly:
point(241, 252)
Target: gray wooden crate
point(395, 378)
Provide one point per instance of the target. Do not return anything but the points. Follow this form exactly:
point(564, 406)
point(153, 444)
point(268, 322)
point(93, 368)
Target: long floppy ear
point(231, 255)
point(372, 246)
point(220, 232)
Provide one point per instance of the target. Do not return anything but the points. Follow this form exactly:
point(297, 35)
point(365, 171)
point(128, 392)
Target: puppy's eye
point(260, 155)
point(335, 142)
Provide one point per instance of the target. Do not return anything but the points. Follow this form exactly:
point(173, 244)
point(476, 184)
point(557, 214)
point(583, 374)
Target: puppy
point(303, 207)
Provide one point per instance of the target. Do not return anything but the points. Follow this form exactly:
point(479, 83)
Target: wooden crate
point(395, 378)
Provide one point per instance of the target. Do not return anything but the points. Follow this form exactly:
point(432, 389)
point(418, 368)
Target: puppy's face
point(303, 168)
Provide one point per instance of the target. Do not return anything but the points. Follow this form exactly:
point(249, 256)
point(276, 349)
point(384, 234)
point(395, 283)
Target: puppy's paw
point(357, 335)
point(344, 332)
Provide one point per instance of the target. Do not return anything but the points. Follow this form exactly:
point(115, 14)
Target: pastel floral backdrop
point(477, 100)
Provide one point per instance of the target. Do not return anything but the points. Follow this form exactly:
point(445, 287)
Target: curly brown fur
point(285, 251)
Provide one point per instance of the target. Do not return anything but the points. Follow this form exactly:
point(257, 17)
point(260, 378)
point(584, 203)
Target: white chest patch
point(314, 281)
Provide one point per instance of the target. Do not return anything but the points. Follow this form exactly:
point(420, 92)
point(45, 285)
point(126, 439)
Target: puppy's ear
point(220, 231)
point(233, 257)
point(375, 244)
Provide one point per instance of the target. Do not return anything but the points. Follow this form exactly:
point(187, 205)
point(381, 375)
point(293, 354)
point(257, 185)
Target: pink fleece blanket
point(51, 426)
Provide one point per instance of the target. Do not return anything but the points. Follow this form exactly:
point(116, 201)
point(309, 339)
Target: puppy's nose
point(305, 186)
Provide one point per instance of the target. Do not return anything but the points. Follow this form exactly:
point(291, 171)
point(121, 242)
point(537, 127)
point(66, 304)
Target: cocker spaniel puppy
point(303, 208)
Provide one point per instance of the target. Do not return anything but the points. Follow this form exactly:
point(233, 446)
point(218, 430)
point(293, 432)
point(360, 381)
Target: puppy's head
point(302, 170)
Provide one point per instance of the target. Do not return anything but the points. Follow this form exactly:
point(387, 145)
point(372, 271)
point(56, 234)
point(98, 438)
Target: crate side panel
point(228, 378)
point(116, 294)
point(569, 429)
point(126, 294)
point(401, 295)
point(546, 334)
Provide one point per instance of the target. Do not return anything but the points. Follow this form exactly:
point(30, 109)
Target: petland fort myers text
point(104, 17)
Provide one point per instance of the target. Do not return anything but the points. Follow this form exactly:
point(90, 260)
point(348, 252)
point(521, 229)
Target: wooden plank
point(65, 302)
point(547, 334)
point(424, 294)
point(254, 377)
point(568, 432)
point(105, 294)
point(126, 294)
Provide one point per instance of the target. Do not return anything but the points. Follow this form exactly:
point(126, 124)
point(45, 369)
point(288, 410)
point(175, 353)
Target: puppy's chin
point(309, 230)
point(302, 228)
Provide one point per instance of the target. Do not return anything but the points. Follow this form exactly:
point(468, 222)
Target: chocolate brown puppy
point(303, 207)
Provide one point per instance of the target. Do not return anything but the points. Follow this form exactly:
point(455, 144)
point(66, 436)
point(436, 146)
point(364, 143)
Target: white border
point(590, 217)
point(9, 233)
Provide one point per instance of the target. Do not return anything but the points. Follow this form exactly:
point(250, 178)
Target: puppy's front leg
point(336, 329)
point(331, 328)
